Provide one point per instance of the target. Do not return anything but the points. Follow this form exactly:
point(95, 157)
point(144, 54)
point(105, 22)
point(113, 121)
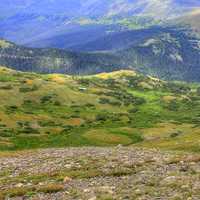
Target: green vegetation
point(133, 22)
point(40, 111)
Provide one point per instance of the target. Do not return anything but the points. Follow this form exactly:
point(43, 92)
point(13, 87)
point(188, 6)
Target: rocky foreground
point(99, 173)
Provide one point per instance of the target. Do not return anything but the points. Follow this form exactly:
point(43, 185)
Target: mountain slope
point(166, 53)
point(67, 174)
point(173, 54)
point(55, 60)
point(122, 107)
point(192, 20)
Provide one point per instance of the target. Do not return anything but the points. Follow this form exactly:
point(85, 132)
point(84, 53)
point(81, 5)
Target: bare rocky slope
point(99, 173)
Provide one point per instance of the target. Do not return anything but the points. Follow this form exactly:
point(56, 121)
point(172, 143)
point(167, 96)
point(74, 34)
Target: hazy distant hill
point(50, 21)
point(168, 49)
point(192, 20)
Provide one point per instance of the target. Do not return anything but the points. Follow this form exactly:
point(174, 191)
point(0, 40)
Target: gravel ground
point(100, 173)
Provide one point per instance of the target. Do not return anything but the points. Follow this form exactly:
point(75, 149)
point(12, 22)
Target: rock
point(119, 146)
point(184, 168)
point(138, 192)
point(169, 180)
point(106, 189)
point(29, 184)
point(67, 179)
point(19, 185)
point(93, 198)
point(86, 190)
point(185, 187)
point(147, 179)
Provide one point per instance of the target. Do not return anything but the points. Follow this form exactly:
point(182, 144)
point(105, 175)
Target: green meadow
point(41, 111)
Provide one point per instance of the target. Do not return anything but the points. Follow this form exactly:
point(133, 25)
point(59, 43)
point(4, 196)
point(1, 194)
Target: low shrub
point(28, 89)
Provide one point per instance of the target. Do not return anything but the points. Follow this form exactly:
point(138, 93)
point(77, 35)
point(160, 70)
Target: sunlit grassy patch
point(103, 137)
point(4, 44)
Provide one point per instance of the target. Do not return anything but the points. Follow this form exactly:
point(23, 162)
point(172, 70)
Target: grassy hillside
point(39, 111)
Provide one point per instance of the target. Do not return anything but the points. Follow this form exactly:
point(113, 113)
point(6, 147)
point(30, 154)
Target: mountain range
point(170, 53)
point(55, 20)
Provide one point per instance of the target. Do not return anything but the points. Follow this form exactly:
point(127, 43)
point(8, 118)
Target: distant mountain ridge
point(97, 8)
point(55, 60)
point(51, 19)
point(111, 35)
point(169, 53)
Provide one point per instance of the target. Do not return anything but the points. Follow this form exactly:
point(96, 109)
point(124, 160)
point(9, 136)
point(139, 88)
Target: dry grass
point(116, 74)
point(22, 191)
point(187, 159)
point(104, 137)
point(51, 188)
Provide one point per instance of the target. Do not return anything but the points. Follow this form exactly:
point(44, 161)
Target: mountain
point(169, 53)
point(119, 41)
point(77, 35)
point(97, 8)
point(165, 46)
point(50, 21)
point(56, 60)
point(173, 54)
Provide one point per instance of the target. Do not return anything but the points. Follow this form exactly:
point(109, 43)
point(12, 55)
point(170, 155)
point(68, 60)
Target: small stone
point(138, 192)
point(86, 190)
point(185, 187)
point(93, 198)
point(68, 166)
point(168, 180)
point(107, 189)
point(184, 168)
point(67, 179)
point(19, 185)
